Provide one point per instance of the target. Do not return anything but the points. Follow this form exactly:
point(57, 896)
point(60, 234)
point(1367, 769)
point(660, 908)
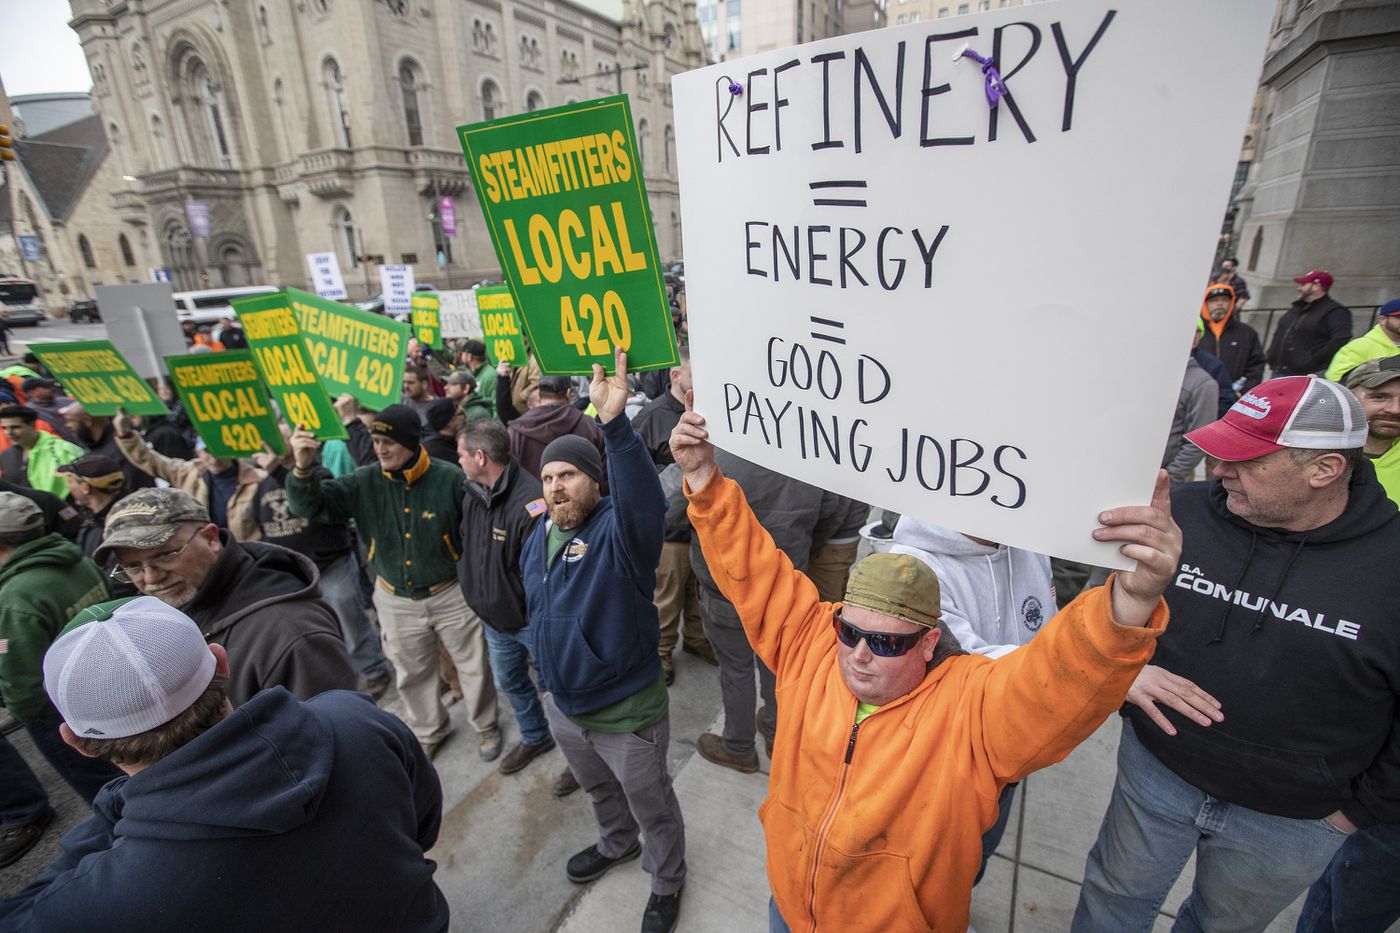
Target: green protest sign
point(274, 337)
point(353, 351)
point(563, 198)
point(94, 373)
point(427, 323)
point(226, 401)
point(500, 327)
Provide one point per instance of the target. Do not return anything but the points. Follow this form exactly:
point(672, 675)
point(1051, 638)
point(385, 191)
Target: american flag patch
point(4, 646)
point(535, 508)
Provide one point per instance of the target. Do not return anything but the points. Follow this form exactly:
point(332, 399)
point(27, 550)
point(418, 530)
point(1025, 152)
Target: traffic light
point(7, 145)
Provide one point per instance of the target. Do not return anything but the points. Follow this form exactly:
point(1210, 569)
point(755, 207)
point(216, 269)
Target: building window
point(914, 17)
point(962, 8)
point(123, 244)
point(211, 101)
point(984, 6)
point(264, 33)
point(85, 248)
point(335, 96)
point(279, 100)
point(179, 253)
point(669, 144)
point(643, 131)
point(412, 116)
point(490, 100)
point(734, 43)
point(942, 12)
point(235, 266)
point(534, 101)
point(345, 229)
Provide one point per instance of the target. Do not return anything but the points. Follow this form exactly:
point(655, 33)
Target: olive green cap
point(897, 585)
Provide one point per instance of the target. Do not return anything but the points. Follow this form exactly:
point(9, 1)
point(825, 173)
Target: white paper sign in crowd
point(978, 316)
point(457, 311)
point(396, 282)
point(326, 280)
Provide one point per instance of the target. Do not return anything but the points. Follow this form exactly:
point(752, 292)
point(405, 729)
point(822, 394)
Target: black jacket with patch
point(1295, 634)
point(495, 524)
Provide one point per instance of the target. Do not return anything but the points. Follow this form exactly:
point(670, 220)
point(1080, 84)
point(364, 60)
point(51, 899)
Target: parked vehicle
point(84, 311)
point(20, 301)
point(212, 304)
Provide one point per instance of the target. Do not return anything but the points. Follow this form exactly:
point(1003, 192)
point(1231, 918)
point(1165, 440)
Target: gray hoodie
point(994, 599)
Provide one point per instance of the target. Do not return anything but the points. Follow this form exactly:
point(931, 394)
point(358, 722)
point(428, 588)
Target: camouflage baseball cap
point(147, 518)
point(896, 585)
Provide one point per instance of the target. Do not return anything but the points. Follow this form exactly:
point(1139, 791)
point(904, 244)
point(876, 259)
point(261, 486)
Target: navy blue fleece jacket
point(596, 628)
point(287, 816)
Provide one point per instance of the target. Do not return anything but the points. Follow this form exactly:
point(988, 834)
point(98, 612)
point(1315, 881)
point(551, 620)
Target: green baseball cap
point(147, 519)
point(897, 585)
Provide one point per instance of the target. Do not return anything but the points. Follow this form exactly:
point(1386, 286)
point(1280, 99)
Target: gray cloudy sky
point(41, 53)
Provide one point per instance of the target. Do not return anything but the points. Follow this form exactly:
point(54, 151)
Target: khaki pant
point(678, 595)
point(411, 632)
point(830, 568)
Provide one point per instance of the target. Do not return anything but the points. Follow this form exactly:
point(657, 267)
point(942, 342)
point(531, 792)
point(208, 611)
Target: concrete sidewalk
point(1031, 884)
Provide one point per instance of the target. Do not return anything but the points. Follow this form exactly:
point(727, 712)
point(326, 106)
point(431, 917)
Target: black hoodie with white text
point(1295, 633)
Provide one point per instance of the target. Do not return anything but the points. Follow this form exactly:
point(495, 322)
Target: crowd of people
point(195, 645)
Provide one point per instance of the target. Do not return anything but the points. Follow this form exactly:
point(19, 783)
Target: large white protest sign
point(396, 282)
point(142, 325)
point(326, 280)
point(978, 316)
point(458, 313)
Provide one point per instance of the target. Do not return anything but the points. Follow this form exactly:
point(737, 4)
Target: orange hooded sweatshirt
point(1218, 328)
point(879, 826)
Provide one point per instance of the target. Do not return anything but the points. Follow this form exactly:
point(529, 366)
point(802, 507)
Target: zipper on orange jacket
point(826, 826)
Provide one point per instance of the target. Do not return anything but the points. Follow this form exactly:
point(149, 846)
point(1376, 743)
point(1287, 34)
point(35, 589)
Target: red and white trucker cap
point(1307, 412)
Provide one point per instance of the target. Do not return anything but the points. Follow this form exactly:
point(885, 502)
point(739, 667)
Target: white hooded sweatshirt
point(994, 599)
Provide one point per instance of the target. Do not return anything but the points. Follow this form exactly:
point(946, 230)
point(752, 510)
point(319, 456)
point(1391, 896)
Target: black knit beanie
point(579, 451)
point(400, 424)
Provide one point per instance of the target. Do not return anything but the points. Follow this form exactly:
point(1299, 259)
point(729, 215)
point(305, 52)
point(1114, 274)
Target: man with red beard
point(589, 574)
point(1376, 385)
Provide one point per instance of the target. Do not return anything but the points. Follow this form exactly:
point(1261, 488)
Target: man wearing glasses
point(893, 744)
point(260, 601)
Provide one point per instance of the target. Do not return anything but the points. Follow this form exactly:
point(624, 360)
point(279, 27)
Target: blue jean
point(85, 775)
point(1360, 891)
point(340, 586)
point(509, 654)
point(776, 923)
point(22, 797)
point(992, 837)
point(1249, 865)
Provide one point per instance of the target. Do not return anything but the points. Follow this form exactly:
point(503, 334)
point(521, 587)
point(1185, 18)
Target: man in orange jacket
point(892, 746)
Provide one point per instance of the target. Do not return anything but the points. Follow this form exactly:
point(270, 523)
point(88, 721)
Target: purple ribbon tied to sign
point(995, 86)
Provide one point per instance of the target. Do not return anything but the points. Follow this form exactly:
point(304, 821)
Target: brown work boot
point(565, 784)
point(520, 756)
point(711, 747)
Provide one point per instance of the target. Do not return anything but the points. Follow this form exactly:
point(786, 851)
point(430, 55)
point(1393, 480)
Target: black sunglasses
point(882, 644)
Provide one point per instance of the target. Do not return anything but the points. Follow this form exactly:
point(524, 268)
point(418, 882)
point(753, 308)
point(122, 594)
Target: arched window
point(211, 102)
point(114, 139)
point(158, 145)
point(643, 130)
point(490, 100)
point(264, 33)
point(670, 147)
point(85, 248)
point(534, 101)
point(335, 97)
point(123, 244)
point(345, 231)
point(235, 266)
point(412, 116)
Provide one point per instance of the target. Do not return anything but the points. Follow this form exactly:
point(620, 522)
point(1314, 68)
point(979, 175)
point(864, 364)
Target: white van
point(212, 304)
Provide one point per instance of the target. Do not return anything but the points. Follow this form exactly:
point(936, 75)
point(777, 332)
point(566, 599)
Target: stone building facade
point(329, 125)
point(58, 190)
point(1324, 189)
